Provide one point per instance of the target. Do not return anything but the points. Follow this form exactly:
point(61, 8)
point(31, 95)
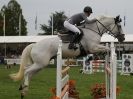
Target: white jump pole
point(114, 70)
point(110, 73)
point(59, 68)
point(62, 85)
point(107, 76)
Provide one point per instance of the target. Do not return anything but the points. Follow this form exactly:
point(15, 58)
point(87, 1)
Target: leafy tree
point(58, 19)
point(12, 14)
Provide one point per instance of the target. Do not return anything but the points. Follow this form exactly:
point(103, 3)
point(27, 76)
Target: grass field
point(46, 79)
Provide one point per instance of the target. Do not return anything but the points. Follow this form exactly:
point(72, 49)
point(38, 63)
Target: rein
point(110, 31)
point(101, 33)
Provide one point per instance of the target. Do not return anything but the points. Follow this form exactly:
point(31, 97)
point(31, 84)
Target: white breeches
point(71, 27)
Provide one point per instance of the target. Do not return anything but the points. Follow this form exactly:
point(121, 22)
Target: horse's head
point(115, 29)
point(106, 24)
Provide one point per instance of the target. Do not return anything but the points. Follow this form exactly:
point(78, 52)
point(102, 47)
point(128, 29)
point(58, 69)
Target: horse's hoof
point(22, 97)
point(23, 93)
point(23, 89)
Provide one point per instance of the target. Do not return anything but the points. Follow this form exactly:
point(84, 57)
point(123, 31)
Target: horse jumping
point(37, 56)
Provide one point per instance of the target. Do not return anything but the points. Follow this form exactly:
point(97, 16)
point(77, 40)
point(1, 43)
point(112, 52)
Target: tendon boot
point(72, 44)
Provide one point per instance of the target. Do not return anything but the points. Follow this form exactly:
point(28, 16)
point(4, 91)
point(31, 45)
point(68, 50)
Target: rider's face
point(87, 14)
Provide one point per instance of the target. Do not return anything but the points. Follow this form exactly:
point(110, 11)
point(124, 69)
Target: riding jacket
point(79, 18)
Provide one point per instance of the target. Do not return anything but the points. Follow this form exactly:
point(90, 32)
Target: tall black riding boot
point(72, 44)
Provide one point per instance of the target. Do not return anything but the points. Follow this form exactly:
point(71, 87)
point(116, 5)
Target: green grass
point(45, 80)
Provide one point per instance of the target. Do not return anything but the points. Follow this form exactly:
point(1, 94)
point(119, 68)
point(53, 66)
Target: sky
point(44, 8)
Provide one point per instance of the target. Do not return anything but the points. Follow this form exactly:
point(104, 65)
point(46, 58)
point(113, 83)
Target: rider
point(77, 20)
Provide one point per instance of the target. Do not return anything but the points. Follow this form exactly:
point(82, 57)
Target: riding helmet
point(88, 9)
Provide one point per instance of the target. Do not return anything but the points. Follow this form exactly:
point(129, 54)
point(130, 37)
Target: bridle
point(110, 31)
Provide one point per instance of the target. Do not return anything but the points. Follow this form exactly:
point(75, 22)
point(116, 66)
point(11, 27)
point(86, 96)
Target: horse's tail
point(25, 60)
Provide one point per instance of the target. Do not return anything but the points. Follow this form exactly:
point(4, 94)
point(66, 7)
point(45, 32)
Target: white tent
point(21, 39)
point(109, 38)
point(30, 39)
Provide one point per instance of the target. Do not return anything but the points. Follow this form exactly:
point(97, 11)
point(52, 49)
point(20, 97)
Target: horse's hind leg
point(29, 72)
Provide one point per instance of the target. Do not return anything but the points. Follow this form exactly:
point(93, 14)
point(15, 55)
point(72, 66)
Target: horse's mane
point(101, 17)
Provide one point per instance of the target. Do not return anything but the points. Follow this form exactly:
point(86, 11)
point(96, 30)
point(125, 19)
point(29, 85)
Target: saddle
point(67, 36)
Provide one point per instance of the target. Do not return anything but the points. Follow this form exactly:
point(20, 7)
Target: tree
point(12, 14)
point(58, 19)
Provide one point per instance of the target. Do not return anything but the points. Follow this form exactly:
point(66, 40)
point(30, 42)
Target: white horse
point(37, 56)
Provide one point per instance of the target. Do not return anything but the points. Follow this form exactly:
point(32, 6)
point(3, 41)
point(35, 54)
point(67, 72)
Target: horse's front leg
point(100, 48)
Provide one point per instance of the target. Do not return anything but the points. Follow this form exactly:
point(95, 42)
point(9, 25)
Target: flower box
point(98, 91)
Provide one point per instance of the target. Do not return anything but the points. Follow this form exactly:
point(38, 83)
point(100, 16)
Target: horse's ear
point(120, 20)
point(117, 19)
